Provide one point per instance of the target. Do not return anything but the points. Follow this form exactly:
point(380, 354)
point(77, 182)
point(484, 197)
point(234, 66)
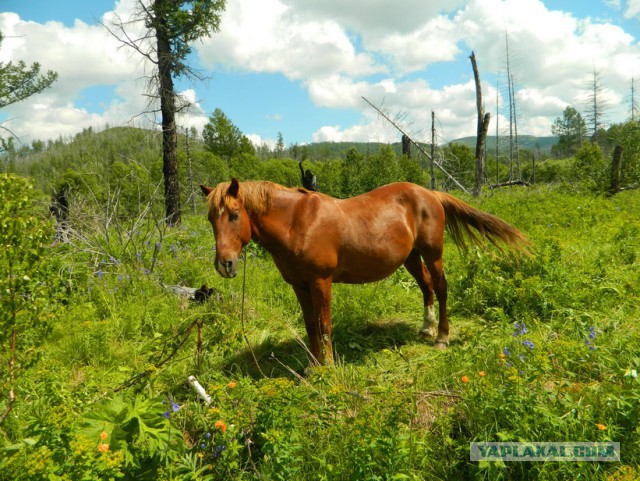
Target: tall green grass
point(122, 347)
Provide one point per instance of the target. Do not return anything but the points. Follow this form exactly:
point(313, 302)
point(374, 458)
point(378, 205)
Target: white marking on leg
point(429, 321)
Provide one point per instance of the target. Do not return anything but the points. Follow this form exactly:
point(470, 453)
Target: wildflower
point(481, 373)
point(506, 351)
point(166, 414)
point(464, 379)
point(528, 343)
point(207, 435)
point(175, 407)
point(502, 356)
point(100, 274)
point(103, 447)
point(200, 455)
point(220, 424)
point(521, 329)
point(232, 384)
point(592, 332)
point(218, 451)
point(103, 435)
point(601, 427)
point(203, 445)
point(521, 356)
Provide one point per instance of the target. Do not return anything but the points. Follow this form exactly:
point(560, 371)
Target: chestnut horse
point(316, 240)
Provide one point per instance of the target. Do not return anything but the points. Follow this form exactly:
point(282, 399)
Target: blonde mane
point(254, 195)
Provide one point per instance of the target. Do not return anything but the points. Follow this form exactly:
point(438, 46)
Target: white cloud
point(400, 54)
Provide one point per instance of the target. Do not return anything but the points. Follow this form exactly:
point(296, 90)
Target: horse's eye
point(234, 216)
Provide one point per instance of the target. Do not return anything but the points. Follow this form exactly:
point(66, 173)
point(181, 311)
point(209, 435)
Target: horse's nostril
point(228, 265)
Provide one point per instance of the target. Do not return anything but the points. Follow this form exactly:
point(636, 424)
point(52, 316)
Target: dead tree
point(406, 145)
point(418, 146)
point(615, 170)
point(483, 126)
point(309, 180)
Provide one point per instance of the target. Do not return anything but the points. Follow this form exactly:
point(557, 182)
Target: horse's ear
point(205, 190)
point(232, 191)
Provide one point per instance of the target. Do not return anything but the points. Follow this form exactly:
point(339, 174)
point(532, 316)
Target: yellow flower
point(200, 455)
point(464, 379)
point(103, 447)
point(103, 435)
point(601, 427)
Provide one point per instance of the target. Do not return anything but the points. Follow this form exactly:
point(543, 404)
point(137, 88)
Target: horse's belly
point(363, 269)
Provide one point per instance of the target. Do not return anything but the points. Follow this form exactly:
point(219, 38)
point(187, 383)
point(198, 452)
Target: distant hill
point(528, 142)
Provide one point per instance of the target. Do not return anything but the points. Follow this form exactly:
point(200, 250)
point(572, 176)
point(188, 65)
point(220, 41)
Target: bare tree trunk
point(169, 135)
point(433, 149)
point(615, 170)
point(406, 145)
point(483, 127)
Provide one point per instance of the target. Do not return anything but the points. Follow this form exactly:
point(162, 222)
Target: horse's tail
point(461, 217)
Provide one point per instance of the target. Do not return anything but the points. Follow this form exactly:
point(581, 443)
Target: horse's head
point(231, 226)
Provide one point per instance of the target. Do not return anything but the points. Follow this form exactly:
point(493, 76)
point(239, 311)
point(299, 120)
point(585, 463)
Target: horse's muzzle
point(227, 268)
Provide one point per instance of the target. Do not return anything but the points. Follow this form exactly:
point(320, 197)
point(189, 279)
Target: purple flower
point(521, 356)
point(528, 344)
point(207, 435)
point(166, 414)
point(592, 332)
point(203, 446)
point(100, 274)
point(175, 407)
point(506, 351)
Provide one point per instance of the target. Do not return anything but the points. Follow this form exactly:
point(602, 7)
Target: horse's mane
point(255, 195)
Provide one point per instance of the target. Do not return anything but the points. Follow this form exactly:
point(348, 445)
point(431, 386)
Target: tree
point(172, 25)
point(19, 82)
point(570, 130)
point(596, 106)
point(224, 139)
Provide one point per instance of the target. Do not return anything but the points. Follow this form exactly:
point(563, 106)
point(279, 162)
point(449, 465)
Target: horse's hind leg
point(416, 268)
point(433, 260)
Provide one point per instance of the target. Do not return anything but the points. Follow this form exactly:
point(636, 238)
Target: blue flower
point(203, 446)
point(506, 351)
point(218, 451)
point(207, 435)
point(175, 407)
point(166, 414)
point(521, 356)
point(592, 332)
point(100, 274)
point(528, 344)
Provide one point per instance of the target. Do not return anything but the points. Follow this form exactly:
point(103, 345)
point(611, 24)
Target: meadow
point(542, 349)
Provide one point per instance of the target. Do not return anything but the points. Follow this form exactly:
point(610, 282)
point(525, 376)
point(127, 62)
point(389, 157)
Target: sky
point(300, 68)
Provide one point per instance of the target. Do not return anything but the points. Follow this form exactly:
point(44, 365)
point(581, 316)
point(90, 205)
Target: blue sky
point(300, 67)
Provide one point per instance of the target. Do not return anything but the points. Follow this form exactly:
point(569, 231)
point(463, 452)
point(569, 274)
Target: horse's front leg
point(303, 293)
point(321, 298)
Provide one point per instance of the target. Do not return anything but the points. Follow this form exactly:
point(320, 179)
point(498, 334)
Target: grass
point(392, 408)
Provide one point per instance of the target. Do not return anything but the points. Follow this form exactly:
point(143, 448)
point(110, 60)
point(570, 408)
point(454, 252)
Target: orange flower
point(481, 373)
point(103, 447)
point(502, 356)
point(103, 435)
point(601, 427)
point(232, 384)
point(220, 425)
point(464, 378)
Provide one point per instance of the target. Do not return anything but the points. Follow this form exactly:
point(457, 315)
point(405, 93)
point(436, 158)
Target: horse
point(316, 240)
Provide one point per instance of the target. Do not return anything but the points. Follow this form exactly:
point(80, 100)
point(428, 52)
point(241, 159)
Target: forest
point(107, 312)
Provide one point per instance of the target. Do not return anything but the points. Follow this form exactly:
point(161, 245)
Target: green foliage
point(392, 408)
point(19, 82)
point(590, 167)
point(24, 285)
point(224, 139)
point(570, 130)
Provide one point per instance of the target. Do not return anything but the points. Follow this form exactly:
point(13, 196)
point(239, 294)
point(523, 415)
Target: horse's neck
point(272, 227)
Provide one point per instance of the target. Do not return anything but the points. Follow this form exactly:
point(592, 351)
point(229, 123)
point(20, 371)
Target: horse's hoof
point(426, 333)
point(441, 345)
